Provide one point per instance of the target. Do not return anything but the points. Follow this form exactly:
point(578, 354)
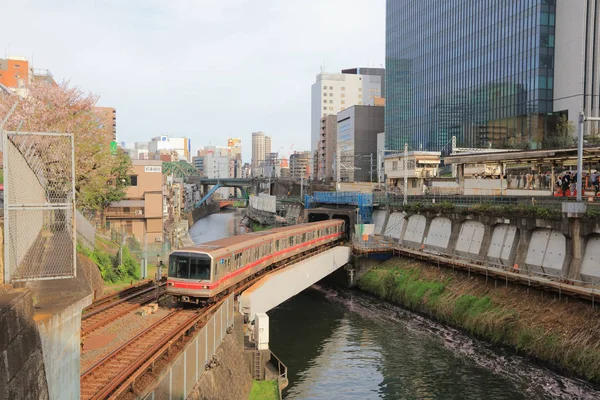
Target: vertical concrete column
point(576, 248)
point(485, 241)
point(401, 238)
point(552, 177)
point(461, 177)
point(523, 246)
point(456, 226)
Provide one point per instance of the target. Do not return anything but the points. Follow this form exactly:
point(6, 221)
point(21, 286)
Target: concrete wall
point(395, 225)
point(264, 203)
point(379, 218)
point(568, 248)
point(22, 373)
point(61, 339)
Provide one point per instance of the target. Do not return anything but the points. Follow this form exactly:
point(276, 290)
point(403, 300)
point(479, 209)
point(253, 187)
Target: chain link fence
point(39, 206)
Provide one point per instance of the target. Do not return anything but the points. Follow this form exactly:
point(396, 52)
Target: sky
point(202, 69)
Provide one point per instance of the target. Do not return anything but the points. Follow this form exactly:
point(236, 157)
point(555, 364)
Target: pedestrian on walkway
point(519, 180)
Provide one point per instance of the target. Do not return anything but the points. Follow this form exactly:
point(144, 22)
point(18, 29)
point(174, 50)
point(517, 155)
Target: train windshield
point(190, 266)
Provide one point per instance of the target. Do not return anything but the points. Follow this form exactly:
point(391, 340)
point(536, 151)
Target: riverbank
point(563, 332)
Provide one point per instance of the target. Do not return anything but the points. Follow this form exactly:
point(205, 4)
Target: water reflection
point(217, 226)
point(345, 345)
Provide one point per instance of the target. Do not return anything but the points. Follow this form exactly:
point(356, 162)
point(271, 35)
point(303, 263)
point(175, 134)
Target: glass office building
point(480, 70)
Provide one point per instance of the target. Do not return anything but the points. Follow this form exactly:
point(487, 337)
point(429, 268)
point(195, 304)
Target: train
point(206, 271)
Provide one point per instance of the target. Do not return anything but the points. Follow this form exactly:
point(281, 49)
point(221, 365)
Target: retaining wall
point(568, 248)
point(22, 374)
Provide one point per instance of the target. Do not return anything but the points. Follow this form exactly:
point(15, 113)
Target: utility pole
point(338, 167)
point(405, 174)
point(371, 171)
point(379, 169)
point(580, 156)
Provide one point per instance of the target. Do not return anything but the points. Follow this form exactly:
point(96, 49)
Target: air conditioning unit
point(158, 239)
point(138, 212)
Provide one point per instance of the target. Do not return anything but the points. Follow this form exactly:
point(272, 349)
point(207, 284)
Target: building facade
point(357, 130)
point(326, 147)
point(498, 74)
point(166, 145)
point(334, 92)
point(15, 74)
point(261, 147)
point(420, 167)
point(300, 166)
point(108, 118)
point(140, 213)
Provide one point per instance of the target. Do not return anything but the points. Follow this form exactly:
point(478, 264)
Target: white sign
point(153, 168)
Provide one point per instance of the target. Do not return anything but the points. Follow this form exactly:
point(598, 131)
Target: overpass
point(244, 184)
point(283, 284)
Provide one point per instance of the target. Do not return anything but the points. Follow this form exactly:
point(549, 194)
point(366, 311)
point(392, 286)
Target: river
point(342, 344)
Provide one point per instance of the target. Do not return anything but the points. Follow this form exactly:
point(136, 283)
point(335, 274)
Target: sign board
point(153, 168)
point(113, 147)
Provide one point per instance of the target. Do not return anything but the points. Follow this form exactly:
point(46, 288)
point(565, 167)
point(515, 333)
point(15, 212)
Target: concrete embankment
point(560, 331)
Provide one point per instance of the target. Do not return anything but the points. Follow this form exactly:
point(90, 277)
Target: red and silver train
point(204, 271)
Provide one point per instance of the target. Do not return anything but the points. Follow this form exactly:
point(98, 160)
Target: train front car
point(190, 276)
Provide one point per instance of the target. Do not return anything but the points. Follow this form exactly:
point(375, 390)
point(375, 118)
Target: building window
point(330, 101)
point(133, 180)
point(394, 165)
point(360, 103)
point(343, 88)
point(360, 96)
point(343, 102)
point(330, 87)
point(360, 89)
point(17, 66)
point(325, 108)
point(331, 108)
point(343, 95)
point(342, 108)
point(324, 101)
point(325, 87)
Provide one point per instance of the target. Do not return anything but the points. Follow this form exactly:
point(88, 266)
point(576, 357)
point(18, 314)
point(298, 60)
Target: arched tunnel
point(323, 214)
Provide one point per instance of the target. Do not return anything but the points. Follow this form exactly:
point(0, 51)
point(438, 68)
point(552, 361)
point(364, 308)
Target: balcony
point(126, 209)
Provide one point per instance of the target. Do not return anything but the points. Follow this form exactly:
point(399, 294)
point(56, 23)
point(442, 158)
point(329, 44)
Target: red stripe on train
point(193, 285)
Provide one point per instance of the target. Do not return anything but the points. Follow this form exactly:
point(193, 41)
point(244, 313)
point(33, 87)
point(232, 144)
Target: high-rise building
point(108, 117)
point(357, 130)
point(334, 92)
point(492, 73)
point(261, 147)
point(326, 147)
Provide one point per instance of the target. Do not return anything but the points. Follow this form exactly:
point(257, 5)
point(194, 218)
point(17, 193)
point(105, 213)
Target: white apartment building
point(180, 145)
point(334, 92)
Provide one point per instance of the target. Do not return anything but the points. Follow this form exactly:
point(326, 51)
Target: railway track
point(118, 372)
point(109, 308)
point(102, 379)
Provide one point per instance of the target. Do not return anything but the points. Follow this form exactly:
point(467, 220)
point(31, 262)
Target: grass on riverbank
point(563, 333)
point(264, 390)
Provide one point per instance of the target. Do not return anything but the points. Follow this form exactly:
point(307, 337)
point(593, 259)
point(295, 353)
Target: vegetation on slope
point(564, 333)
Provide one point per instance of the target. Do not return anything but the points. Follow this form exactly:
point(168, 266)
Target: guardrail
point(282, 378)
point(572, 287)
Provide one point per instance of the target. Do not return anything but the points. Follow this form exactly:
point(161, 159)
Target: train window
point(277, 245)
point(190, 266)
point(303, 237)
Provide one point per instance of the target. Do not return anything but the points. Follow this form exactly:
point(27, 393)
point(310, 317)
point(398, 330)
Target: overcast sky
point(204, 69)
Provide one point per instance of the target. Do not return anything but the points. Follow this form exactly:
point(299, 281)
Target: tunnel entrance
point(316, 217)
point(346, 220)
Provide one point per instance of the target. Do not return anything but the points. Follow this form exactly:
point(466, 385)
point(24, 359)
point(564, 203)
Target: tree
point(563, 135)
point(99, 176)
